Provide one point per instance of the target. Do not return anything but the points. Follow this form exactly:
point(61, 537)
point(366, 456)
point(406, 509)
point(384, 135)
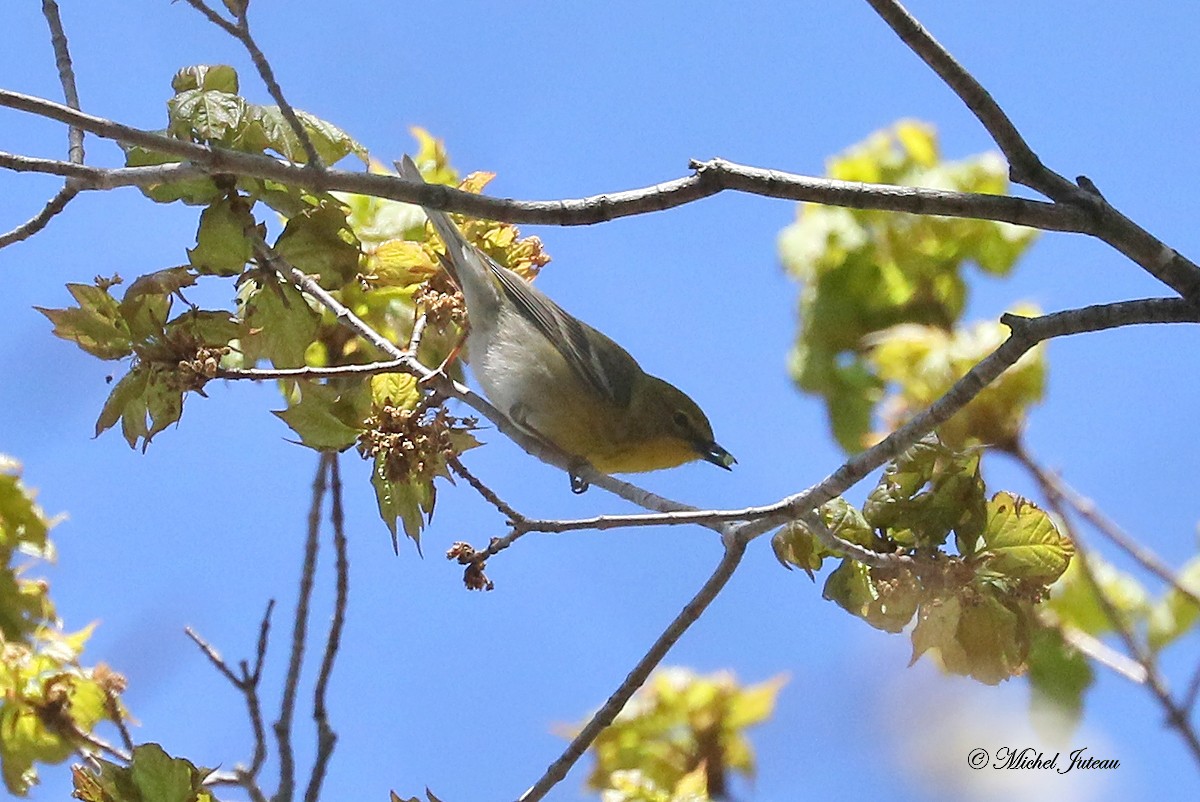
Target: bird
point(561, 380)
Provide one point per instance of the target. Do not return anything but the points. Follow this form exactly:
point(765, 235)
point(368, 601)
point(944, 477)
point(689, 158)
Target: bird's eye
point(681, 420)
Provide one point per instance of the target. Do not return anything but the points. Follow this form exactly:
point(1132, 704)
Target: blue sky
point(460, 691)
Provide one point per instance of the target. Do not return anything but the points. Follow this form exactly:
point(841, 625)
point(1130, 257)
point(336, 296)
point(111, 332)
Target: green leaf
point(1020, 540)
point(206, 115)
point(268, 129)
point(222, 248)
point(795, 546)
point(862, 272)
point(125, 404)
point(923, 362)
point(884, 598)
point(22, 521)
point(755, 704)
point(96, 325)
point(147, 302)
point(407, 501)
point(219, 77)
point(1175, 613)
point(326, 417)
point(280, 325)
point(159, 777)
point(1058, 673)
point(927, 492)
point(974, 634)
point(845, 521)
point(146, 400)
point(994, 639)
point(319, 242)
point(395, 390)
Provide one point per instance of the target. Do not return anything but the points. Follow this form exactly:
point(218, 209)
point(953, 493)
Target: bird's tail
point(458, 250)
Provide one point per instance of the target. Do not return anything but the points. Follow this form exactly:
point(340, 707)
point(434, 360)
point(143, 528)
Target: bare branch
point(326, 737)
point(66, 76)
point(711, 177)
point(1114, 228)
point(247, 685)
point(890, 197)
point(1026, 333)
point(1026, 167)
point(39, 221)
point(287, 708)
point(488, 494)
point(640, 673)
point(1176, 715)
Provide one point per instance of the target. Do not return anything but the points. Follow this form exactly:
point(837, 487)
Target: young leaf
point(96, 325)
point(1020, 541)
point(326, 416)
point(222, 248)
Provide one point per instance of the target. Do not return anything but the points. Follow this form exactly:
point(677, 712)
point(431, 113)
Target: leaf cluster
point(977, 565)
point(49, 703)
point(680, 737)
point(876, 280)
point(376, 257)
point(151, 776)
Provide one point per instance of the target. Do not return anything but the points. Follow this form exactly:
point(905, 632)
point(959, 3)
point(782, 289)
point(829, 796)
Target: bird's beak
point(711, 452)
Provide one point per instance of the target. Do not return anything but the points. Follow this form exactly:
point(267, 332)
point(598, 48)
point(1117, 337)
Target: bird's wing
point(610, 370)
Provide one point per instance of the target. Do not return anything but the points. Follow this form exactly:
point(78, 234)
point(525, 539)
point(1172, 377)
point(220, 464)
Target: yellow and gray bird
point(562, 380)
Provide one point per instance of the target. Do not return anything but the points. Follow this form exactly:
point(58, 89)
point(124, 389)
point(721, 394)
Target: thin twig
point(268, 374)
point(1053, 485)
point(39, 221)
point(213, 656)
point(488, 494)
point(251, 680)
point(96, 742)
point(1104, 654)
point(287, 711)
point(247, 685)
point(557, 770)
point(1176, 715)
point(66, 76)
point(813, 523)
point(326, 737)
point(1193, 692)
point(418, 331)
point(241, 32)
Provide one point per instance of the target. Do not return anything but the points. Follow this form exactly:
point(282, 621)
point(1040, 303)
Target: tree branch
point(638, 676)
point(247, 685)
point(287, 708)
point(1114, 228)
point(66, 76)
point(711, 177)
point(326, 737)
